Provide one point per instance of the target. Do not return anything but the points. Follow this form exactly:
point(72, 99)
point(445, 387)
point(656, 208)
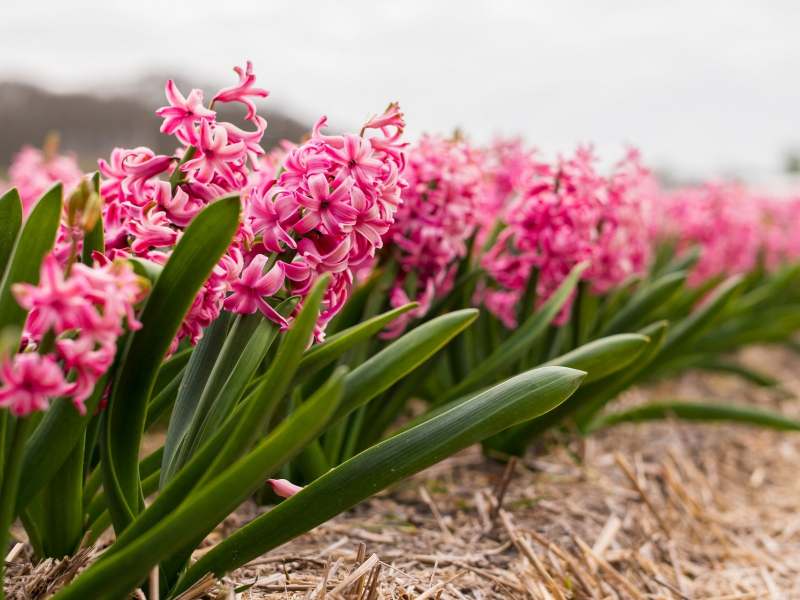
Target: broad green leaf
point(698, 411)
point(33, 242)
point(148, 466)
point(353, 310)
point(138, 549)
point(242, 373)
point(615, 299)
point(166, 397)
point(772, 290)
point(320, 355)
point(593, 397)
point(701, 319)
point(198, 371)
point(257, 413)
point(10, 224)
point(586, 309)
point(62, 522)
point(724, 366)
point(170, 368)
point(683, 262)
point(401, 357)
point(60, 430)
point(644, 302)
point(521, 339)
point(203, 243)
point(236, 343)
point(516, 400)
point(598, 359)
point(759, 326)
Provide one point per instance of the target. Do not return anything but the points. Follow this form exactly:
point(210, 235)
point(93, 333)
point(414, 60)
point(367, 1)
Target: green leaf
point(242, 373)
point(699, 411)
point(199, 250)
point(700, 320)
point(10, 224)
point(138, 549)
point(401, 357)
point(593, 397)
point(759, 326)
point(321, 355)
point(62, 522)
point(644, 302)
point(60, 430)
point(159, 405)
point(511, 402)
point(170, 369)
point(198, 371)
point(724, 366)
point(615, 299)
point(236, 343)
point(33, 242)
point(521, 339)
point(258, 412)
point(598, 359)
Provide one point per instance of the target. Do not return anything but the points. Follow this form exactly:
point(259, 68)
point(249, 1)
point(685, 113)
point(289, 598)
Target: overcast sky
point(700, 86)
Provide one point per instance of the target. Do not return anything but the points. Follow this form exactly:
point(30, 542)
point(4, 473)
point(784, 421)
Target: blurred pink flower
point(28, 381)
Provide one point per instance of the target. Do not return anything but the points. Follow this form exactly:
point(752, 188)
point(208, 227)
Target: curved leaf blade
point(388, 462)
point(699, 411)
point(521, 339)
point(36, 239)
point(199, 250)
point(10, 224)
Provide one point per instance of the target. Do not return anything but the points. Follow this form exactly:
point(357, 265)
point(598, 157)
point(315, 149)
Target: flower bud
point(84, 206)
point(91, 211)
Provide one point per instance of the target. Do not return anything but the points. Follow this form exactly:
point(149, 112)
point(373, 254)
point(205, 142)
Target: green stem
point(8, 494)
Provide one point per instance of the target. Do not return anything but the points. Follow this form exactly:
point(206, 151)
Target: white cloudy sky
point(700, 86)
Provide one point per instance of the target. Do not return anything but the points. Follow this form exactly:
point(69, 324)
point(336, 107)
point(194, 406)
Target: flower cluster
point(333, 200)
point(559, 216)
point(70, 337)
point(150, 199)
point(34, 171)
point(721, 219)
point(438, 215)
point(780, 222)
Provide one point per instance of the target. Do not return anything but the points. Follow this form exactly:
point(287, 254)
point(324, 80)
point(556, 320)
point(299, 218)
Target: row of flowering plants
point(200, 288)
point(278, 312)
point(606, 273)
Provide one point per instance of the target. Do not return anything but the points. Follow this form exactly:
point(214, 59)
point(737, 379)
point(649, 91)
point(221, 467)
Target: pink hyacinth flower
point(214, 154)
point(284, 488)
point(242, 91)
point(56, 303)
point(356, 159)
point(28, 381)
point(183, 113)
point(328, 207)
point(248, 293)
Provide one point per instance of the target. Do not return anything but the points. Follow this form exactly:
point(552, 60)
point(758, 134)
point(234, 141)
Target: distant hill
point(91, 126)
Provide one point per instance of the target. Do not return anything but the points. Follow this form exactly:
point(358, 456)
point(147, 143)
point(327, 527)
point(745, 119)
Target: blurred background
point(703, 88)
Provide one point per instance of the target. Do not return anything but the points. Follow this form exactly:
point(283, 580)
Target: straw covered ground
point(660, 510)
